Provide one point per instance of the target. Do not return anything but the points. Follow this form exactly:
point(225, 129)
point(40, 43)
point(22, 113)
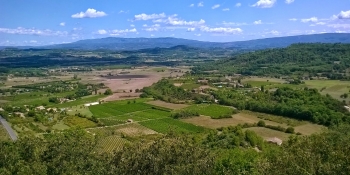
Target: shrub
point(277, 128)
point(290, 130)
point(261, 123)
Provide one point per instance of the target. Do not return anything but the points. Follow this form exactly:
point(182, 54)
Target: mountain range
point(116, 43)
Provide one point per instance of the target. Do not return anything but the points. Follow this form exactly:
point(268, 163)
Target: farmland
point(111, 143)
point(167, 125)
point(211, 110)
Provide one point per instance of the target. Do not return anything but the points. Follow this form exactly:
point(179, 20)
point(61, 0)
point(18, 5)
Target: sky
point(45, 22)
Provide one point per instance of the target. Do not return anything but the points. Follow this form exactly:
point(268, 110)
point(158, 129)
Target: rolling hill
point(114, 43)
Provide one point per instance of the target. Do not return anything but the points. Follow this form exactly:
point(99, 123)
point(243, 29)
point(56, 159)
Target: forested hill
point(114, 43)
point(332, 60)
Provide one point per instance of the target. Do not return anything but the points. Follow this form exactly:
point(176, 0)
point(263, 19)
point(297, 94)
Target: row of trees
point(331, 60)
point(74, 152)
point(302, 104)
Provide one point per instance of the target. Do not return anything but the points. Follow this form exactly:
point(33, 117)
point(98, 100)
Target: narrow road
point(8, 128)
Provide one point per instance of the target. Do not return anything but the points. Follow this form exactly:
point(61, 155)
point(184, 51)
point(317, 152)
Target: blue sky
point(43, 22)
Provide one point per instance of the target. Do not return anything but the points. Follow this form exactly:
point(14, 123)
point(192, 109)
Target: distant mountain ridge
point(114, 43)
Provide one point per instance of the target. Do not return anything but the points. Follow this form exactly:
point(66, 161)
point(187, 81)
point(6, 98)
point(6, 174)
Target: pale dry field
point(236, 119)
point(167, 105)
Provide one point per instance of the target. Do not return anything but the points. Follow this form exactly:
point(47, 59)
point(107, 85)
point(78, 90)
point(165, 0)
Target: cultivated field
point(212, 110)
point(236, 119)
point(167, 105)
point(111, 143)
point(269, 133)
point(167, 125)
point(74, 121)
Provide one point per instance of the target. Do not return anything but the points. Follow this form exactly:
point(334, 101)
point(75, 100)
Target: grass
point(309, 129)
point(167, 125)
point(33, 98)
point(268, 133)
point(276, 119)
point(74, 121)
point(60, 126)
point(3, 134)
point(236, 119)
point(79, 109)
point(211, 110)
point(190, 86)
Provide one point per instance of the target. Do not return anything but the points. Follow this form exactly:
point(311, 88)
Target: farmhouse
point(91, 104)
point(275, 140)
point(39, 108)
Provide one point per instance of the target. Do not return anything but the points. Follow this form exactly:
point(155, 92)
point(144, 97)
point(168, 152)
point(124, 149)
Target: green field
point(123, 111)
point(211, 110)
point(167, 125)
point(74, 121)
point(190, 86)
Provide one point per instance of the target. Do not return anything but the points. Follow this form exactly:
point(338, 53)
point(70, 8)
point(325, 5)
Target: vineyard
point(111, 143)
point(111, 122)
point(167, 125)
point(130, 129)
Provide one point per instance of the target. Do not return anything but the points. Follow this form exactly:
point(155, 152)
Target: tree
point(290, 130)
point(108, 92)
point(261, 123)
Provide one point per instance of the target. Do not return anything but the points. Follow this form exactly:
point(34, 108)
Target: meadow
point(211, 110)
point(3, 134)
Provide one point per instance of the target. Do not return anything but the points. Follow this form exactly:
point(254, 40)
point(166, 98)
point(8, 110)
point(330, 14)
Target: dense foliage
point(305, 104)
point(74, 152)
point(166, 91)
point(330, 60)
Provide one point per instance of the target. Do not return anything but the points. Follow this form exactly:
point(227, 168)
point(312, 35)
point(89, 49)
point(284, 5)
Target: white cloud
point(337, 26)
point(320, 23)
point(116, 32)
point(173, 21)
point(289, 1)
point(215, 6)
point(258, 22)
point(33, 31)
point(62, 24)
point(198, 34)
point(274, 32)
point(90, 13)
point(152, 35)
point(343, 15)
point(233, 24)
point(122, 11)
point(264, 3)
point(293, 19)
point(152, 28)
point(221, 30)
point(191, 29)
point(312, 19)
point(33, 41)
point(132, 25)
point(102, 32)
point(238, 4)
point(192, 5)
point(200, 4)
point(226, 9)
point(145, 25)
point(145, 17)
